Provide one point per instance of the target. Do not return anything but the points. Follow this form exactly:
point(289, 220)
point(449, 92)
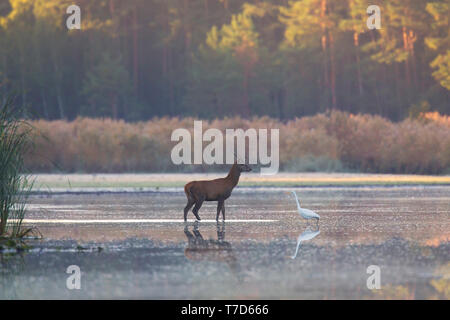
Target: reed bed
point(334, 141)
point(15, 185)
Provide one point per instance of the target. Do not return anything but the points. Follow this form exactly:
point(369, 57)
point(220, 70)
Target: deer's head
point(243, 167)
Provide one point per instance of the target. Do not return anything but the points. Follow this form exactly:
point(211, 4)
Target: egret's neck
point(296, 199)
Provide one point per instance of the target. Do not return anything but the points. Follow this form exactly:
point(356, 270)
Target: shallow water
point(140, 248)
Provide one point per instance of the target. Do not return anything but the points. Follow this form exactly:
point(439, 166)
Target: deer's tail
point(187, 190)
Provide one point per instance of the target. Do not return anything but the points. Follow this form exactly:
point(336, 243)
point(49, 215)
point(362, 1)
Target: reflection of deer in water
point(219, 250)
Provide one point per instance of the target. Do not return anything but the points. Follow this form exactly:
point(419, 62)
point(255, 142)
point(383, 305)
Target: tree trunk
point(187, 28)
point(407, 65)
point(324, 50)
point(22, 83)
point(280, 100)
point(206, 9)
point(376, 85)
point(112, 8)
point(60, 103)
point(358, 63)
point(246, 107)
point(44, 104)
point(333, 73)
point(3, 83)
point(58, 79)
point(2, 226)
point(397, 86)
point(135, 51)
point(411, 41)
point(114, 109)
point(171, 83)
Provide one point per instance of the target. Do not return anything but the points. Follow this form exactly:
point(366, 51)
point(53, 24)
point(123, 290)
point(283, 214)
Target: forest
point(136, 60)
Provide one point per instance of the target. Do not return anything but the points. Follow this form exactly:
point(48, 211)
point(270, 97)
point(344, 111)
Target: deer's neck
point(233, 175)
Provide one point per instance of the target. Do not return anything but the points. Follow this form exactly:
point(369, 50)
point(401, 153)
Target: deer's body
point(212, 190)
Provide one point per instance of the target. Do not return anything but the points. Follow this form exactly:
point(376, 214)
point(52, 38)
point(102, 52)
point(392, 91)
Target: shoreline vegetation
point(334, 141)
point(15, 187)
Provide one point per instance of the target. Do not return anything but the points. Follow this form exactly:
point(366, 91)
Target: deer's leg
point(197, 207)
point(223, 211)
point(219, 207)
point(188, 207)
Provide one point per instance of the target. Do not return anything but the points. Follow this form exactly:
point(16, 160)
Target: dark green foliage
point(138, 59)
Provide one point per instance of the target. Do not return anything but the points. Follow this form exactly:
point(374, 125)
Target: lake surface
point(135, 245)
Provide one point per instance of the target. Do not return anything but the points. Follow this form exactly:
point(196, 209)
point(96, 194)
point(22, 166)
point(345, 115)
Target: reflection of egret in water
point(219, 250)
point(308, 234)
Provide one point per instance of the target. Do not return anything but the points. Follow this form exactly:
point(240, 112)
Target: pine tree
point(440, 41)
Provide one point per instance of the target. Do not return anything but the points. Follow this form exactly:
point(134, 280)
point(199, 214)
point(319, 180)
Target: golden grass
point(44, 181)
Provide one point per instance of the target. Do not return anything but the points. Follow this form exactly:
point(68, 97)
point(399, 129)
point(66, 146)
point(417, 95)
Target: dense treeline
point(333, 141)
point(137, 59)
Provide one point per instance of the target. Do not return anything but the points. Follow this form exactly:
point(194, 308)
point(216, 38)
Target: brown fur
point(212, 190)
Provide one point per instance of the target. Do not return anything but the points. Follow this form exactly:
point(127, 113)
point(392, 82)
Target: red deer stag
point(213, 190)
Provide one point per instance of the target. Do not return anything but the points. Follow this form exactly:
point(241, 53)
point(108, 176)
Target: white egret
point(305, 213)
point(308, 234)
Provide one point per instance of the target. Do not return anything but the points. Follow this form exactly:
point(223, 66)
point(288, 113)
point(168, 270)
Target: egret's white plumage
point(308, 234)
point(305, 213)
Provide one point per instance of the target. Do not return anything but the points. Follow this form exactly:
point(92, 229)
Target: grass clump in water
point(15, 185)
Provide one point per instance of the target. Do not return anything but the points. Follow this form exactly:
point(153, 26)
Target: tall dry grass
point(15, 185)
point(349, 142)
